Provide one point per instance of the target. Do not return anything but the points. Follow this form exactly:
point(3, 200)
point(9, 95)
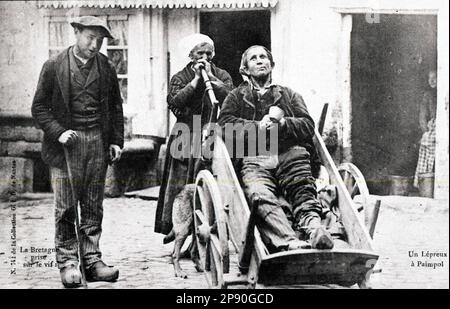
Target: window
point(117, 50)
point(60, 36)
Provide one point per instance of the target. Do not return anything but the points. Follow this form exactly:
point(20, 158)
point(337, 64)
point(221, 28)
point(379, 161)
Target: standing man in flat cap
point(78, 105)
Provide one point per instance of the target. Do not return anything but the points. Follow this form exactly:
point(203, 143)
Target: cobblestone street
point(129, 243)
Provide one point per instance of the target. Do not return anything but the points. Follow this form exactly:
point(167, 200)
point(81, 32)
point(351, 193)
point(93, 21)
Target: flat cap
point(91, 21)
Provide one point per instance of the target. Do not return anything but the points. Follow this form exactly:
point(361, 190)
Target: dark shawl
point(184, 101)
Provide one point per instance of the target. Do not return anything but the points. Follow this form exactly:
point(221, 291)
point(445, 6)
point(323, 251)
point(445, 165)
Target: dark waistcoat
point(84, 93)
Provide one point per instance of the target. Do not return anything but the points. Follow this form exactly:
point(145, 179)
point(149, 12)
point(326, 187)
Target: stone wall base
point(16, 176)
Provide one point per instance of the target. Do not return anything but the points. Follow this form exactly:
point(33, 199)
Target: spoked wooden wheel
point(356, 185)
point(211, 229)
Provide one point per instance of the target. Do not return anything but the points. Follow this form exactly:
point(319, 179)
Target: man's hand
point(68, 138)
point(114, 153)
point(266, 123)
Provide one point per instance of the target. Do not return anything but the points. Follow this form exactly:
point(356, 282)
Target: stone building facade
point(329, 51)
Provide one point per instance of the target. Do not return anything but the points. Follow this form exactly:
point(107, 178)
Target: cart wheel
point(211, 229)
point(356, 184)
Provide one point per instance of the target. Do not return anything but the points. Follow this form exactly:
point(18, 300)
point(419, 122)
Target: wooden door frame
point(344, 85)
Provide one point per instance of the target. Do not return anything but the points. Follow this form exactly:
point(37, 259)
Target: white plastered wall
point(311, 51)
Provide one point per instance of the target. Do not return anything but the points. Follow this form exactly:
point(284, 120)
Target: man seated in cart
point(258, 104)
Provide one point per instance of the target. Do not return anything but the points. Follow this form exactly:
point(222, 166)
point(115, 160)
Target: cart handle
point(323, 117)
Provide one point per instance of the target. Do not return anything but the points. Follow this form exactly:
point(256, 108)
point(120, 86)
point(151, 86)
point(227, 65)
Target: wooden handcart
point(222, 217)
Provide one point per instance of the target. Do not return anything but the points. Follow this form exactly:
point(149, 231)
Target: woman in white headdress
point(187, 99)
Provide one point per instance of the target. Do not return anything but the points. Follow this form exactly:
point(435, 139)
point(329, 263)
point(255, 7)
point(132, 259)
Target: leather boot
point(99, 271)
point(319, 237)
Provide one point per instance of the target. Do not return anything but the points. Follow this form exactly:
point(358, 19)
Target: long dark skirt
point(175, 177)
point(177, 173)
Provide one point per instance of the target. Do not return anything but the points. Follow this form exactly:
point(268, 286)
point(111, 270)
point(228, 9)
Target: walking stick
point(77, 219)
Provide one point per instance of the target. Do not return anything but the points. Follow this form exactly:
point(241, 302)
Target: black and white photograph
point(224, 144)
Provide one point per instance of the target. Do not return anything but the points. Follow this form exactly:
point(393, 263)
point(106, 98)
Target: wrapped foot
point(320, 238)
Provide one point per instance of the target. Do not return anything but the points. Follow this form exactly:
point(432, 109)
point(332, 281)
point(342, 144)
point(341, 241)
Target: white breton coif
point(188, 43)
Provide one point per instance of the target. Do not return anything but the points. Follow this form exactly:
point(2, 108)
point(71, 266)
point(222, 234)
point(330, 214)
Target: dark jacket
point(184, 101)
point(242, 106)
point(51, 107)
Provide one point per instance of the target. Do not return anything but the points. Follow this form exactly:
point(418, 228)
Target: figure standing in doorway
point(427, 120)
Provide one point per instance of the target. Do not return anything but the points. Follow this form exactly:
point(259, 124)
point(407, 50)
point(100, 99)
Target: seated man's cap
point(91, 21)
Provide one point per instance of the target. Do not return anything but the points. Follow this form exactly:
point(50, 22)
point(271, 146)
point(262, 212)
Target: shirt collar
point(259, 90)
point(84, 61)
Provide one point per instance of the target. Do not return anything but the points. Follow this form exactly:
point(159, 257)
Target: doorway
point(233, 33)
point(390, 62)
